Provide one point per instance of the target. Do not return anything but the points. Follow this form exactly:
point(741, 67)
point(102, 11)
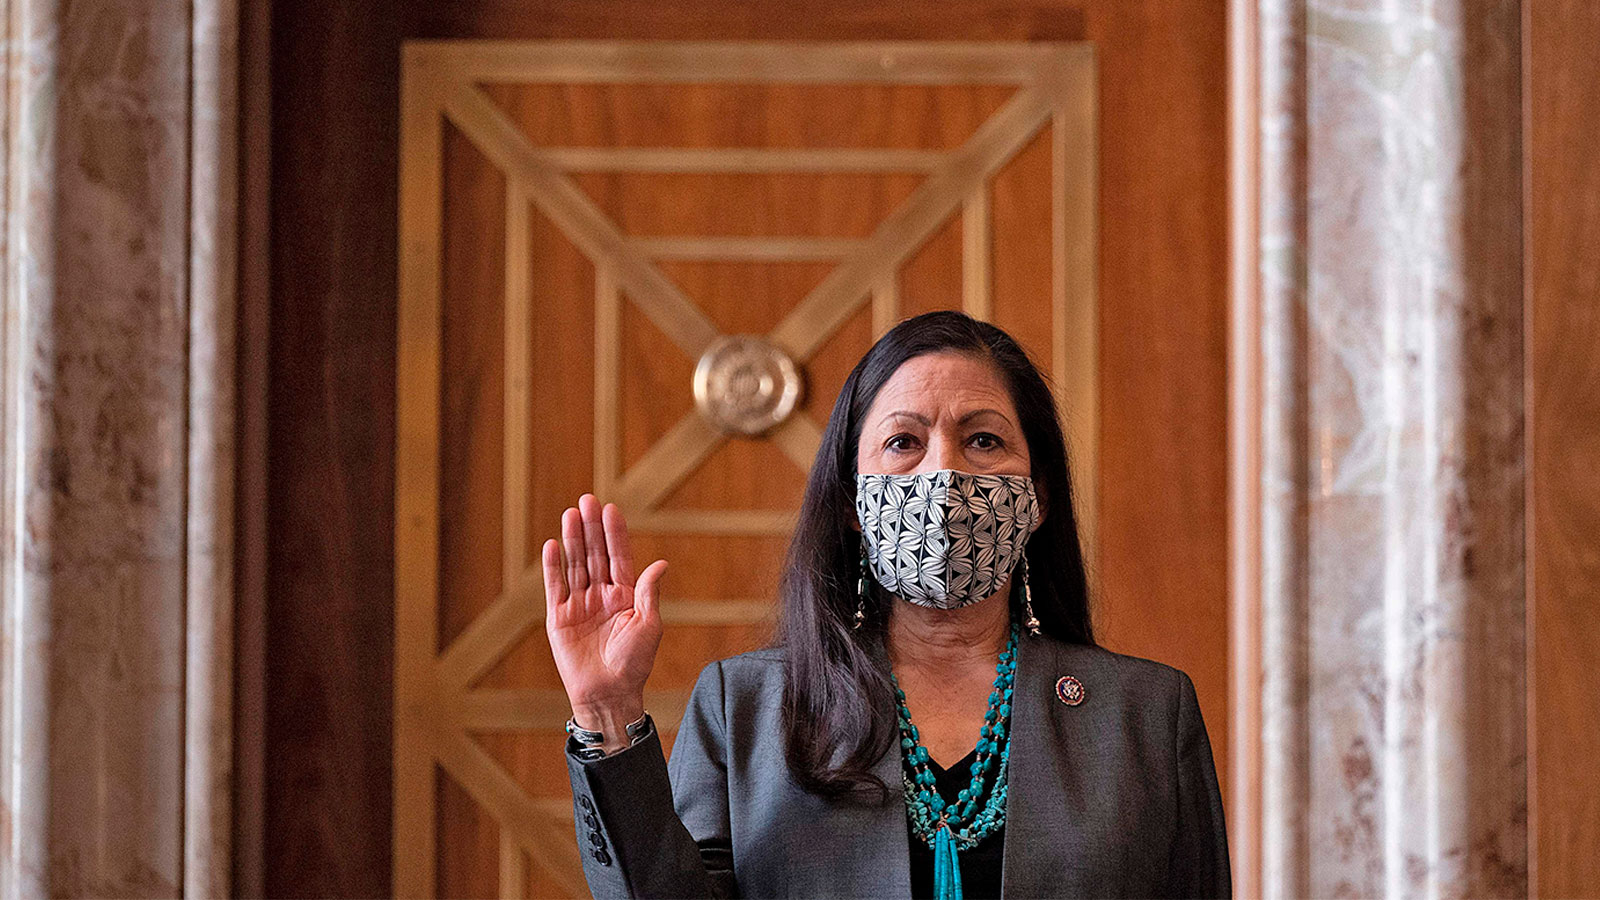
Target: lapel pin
point(1069, 690)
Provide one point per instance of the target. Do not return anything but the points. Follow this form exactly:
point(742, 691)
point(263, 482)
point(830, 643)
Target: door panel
point(579, 223)
point(472, 350)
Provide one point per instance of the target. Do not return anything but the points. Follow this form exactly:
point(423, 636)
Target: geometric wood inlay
point(438, 706)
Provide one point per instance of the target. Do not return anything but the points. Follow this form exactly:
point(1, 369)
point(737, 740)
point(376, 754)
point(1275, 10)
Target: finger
point(555, 587)
point(594, 540)
point(647, 596)
point(572, 544)
point(618, 545)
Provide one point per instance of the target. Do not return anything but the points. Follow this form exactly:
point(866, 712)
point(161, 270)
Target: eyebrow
point(925, 422)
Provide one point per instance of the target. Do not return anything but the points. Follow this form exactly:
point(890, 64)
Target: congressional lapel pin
point(1069, 690)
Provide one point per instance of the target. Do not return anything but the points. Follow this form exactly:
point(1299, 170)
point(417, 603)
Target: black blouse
point(980, 866)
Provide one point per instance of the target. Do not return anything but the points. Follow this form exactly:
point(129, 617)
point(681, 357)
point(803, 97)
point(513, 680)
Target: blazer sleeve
point(1199, 863)
point(635, 840)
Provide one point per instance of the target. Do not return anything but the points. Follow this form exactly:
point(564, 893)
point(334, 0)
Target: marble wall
point(1391, 693)
point(1392, 699)
point(117, 374)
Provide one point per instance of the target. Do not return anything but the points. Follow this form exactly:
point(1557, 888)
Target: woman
point(934, 718)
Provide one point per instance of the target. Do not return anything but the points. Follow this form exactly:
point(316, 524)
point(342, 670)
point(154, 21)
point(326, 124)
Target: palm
point(604, 626)
point(601, 631)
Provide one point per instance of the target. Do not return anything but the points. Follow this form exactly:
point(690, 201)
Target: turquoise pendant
point(980, 810)
point(946, 867)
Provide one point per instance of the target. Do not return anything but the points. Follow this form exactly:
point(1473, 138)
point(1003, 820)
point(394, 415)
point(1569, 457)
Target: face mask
point(945, 539)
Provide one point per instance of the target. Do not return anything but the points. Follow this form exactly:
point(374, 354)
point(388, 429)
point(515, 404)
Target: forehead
point(938, 382)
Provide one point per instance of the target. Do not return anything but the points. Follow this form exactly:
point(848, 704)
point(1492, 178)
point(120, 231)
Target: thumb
point(647, 592)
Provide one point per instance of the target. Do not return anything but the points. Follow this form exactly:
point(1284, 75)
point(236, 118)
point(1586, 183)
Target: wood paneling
point(758, 251)
point(472, 402)
point(1163, 339)
point(330, 456)
point(1563, 252)
point(335, 132)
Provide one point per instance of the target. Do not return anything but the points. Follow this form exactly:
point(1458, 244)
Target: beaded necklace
point(951, 827)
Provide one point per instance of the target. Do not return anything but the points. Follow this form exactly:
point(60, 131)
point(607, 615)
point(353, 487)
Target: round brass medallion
point(745, 385)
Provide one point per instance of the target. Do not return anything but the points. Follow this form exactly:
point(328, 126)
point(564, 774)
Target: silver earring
point(1027, 599)
point(861, 591)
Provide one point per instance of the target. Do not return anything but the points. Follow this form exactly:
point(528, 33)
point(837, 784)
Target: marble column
point(1386, 560)
point(117, 367)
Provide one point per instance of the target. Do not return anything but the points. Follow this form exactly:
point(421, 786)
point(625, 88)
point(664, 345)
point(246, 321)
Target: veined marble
point(1394, 693)
point(104, 486)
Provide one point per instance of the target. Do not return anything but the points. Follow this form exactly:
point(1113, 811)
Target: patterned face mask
point(945, 539)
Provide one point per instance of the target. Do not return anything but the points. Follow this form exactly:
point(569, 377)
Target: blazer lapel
point(1042, 836)
point(889, 873)
point(854, 849)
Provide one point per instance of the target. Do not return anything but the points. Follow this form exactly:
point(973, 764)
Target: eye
point(983, 440)
point(901, 442)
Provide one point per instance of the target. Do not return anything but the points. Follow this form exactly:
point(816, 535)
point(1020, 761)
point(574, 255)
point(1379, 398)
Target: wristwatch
point(589, 742)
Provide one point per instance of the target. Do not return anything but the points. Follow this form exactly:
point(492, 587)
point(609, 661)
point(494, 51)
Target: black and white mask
point(945, 539)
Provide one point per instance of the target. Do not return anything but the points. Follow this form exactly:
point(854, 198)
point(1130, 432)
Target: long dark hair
point(837, 722)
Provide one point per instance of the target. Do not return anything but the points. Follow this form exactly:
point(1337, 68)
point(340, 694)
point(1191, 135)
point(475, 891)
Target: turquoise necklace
point(951, 827)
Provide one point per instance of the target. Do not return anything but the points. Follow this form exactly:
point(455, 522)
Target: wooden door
point(581, 222)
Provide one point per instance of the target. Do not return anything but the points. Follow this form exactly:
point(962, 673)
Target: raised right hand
point(603, 626)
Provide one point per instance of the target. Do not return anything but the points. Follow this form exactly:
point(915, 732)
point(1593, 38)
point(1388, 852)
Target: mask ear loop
point(861, 587)
point(1032, 622)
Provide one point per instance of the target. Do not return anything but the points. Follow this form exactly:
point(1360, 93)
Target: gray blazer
point(1114, 797)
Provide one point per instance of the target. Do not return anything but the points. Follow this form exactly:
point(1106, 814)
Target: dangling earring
point(1027, 599)
point(861, 588)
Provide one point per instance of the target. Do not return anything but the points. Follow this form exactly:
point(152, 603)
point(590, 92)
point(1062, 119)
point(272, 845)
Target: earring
point(1027, 599)
point(861, 591)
